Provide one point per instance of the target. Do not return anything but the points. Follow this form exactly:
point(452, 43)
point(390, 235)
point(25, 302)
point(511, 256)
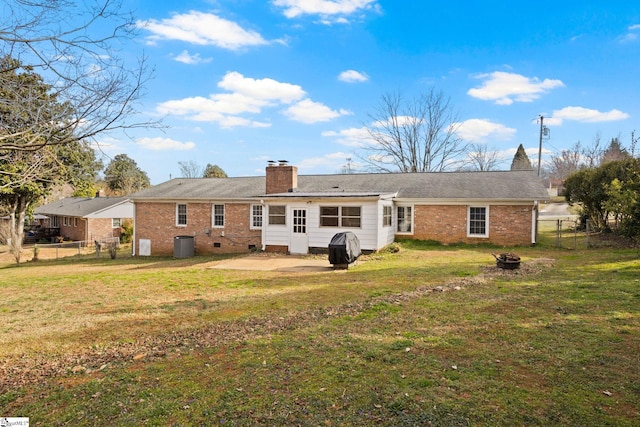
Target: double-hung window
point(405, 219)
point(478, 221)
point(116, 222)
point(340, 216)
point(386, 216)
point(329, 216)
point(277, 215)
point(181, 214)
point(256, 216)
point(218, 215)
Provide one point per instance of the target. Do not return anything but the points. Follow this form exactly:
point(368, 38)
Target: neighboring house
point(300, 214)
point(87, 219)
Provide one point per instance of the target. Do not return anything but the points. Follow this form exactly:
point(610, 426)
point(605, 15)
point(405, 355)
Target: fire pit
point(507, 261)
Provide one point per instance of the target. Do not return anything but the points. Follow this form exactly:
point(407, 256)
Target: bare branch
point(73, 46)
point(414, 136)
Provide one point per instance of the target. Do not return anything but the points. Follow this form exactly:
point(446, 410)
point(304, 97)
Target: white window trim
point(213, 215)
point(340, 216)
point(113, 224)
point(395, 217)
point(486, 222)
point(177, 214)
point(269, 215)
point(390, 208)
point(252, 217)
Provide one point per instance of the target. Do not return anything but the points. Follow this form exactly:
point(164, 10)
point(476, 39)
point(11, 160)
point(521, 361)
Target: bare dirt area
point(276, 262)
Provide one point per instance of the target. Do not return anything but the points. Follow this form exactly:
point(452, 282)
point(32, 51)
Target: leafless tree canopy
point(480, 158)
point(73, 46)
point(191, 169)
point(417, 135)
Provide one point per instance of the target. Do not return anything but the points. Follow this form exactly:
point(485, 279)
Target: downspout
point(534, 221)
point(133, 243)
point(263, 231)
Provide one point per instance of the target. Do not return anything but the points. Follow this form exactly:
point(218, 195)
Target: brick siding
point(508, 225)
point(156, 221)
point(281, 179)
point(99, 228)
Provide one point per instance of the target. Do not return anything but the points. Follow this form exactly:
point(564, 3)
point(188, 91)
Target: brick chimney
point(281, 177)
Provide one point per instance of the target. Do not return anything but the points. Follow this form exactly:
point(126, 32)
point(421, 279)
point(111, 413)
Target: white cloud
point(266, 89)
point(161, 144)
point(479, 130)
point(631, 35)
point(308, 111)
point(352, 76)
point(107, 144)
point(248, 96)
point(352, 137)
point(202, 29)
point(186, 58)
point(337, 161)
point(581, 114)
point(505, 88)
point(331, 11)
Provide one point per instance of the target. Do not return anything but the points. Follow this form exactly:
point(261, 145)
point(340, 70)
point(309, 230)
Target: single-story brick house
point(87, 218)
point(299, 214)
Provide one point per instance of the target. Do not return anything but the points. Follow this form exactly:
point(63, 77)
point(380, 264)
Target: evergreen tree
point(28, 175)
point(521, 160)
point(123, 176)
point(213, 171)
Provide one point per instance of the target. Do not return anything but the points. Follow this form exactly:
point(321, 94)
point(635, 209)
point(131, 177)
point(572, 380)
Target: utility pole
point(540, 146)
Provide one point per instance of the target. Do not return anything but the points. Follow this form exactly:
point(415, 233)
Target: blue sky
point(240, 82)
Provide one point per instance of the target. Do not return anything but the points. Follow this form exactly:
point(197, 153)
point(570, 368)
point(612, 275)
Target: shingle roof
point(501, 185)
point(78, 206)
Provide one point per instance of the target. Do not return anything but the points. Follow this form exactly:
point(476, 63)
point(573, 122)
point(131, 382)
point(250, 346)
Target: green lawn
point(429, 335)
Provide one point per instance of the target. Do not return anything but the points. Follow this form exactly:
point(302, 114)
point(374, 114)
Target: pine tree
point(521, 160)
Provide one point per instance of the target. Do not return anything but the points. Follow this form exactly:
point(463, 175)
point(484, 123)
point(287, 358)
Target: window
point(218, 215)
point(351, 216)
point(478, 221)
point(64, 221)
point(343, 216)
point(386, 216)
point(116, 222)
point(256, 216)
point(55, 223)
point(405, 219)
point(329, 216)
point(277, 215)
point(75, 222)
point(181, 214)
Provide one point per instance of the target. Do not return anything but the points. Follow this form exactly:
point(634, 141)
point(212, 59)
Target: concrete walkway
point(556, 211)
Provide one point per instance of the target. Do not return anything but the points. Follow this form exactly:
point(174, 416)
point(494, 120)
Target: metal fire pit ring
point(507, 261)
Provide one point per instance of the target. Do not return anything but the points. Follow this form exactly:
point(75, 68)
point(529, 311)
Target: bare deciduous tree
point(480, 158)
point(565, 163)
point(417, 135)
point(191, 169)
point(73, 46)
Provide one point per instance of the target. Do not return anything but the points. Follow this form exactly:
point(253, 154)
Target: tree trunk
point(17, 215)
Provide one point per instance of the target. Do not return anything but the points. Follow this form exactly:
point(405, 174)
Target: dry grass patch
point(426, 336)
